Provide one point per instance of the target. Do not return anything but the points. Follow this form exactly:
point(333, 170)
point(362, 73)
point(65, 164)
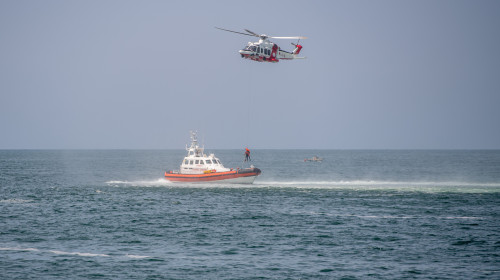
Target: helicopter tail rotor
point(297, 49)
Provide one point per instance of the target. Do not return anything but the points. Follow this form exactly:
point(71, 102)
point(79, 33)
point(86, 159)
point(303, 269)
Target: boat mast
point(194, 149)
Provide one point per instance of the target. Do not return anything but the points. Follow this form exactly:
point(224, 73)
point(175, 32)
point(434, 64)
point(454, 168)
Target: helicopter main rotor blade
point(237, 32)
point(253, 33)
point(292, 37)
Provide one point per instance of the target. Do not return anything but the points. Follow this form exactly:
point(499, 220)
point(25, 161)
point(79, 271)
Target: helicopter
point(265, 50)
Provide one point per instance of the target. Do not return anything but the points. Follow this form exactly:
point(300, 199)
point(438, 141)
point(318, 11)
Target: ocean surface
point(359, 214)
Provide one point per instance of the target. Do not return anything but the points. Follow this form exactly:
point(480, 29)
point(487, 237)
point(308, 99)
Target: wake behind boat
point(198, 167)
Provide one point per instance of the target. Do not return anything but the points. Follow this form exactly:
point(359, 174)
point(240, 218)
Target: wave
point(19, 249)
point(137, 256)
point(77, 254)
point(15, 201)
point(80, 254)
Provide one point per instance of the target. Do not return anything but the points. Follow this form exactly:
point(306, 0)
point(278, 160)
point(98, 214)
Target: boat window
point(197, 162)
point(191, 162)
point(209, 161)
point(186, 161)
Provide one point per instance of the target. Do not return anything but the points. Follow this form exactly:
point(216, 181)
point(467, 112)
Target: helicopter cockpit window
point(253, 48)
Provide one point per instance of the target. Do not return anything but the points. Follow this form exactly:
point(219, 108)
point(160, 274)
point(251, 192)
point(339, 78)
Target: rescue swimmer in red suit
point(247, 155)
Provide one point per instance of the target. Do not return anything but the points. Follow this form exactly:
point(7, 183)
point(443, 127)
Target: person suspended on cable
point(247, 154)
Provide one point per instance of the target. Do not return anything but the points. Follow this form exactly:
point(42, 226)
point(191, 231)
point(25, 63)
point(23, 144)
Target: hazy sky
point(141, 74)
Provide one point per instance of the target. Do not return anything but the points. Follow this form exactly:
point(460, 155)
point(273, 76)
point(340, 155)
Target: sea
point(358, 214)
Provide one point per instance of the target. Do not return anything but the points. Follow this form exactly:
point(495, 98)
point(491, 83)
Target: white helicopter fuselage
point(266, 51)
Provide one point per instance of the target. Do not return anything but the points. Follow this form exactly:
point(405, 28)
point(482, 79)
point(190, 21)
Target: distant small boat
point(199, 167)
point(314, 158)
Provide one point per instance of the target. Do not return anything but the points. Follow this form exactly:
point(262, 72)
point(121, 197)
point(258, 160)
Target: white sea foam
point(141, 183)
point(423, 186)
point(136, 256)
point(378, 183)
point(19, 249)
point(15, 201)
point(163, 182)
point(80, 254)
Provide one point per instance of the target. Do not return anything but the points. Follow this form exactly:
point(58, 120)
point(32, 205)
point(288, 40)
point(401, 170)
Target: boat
point(199, 167)
point(314, 158)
